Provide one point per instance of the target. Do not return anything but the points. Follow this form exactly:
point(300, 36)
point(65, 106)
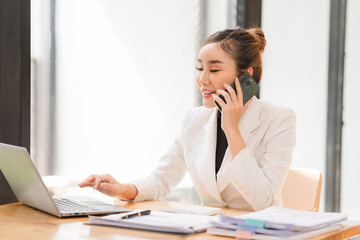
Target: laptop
point(26, 183)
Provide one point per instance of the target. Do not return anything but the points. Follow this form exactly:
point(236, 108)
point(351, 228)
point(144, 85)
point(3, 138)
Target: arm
point(236, 142)
point(232, 111)
point(260, 181)
point(170, 171)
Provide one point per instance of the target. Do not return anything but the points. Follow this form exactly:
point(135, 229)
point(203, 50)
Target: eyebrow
point(212, 61)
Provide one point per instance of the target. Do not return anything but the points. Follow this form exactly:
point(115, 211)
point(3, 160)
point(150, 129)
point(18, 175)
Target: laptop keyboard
point(66, 205)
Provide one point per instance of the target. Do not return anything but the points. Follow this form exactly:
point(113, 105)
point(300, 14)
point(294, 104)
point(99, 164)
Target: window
point(124, 80)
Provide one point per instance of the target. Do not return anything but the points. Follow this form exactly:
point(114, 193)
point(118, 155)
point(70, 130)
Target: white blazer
point(252, 180)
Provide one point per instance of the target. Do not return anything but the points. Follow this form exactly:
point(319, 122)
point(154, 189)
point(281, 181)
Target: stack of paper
point(276, 223)
point(157, 221)
point(202, 210)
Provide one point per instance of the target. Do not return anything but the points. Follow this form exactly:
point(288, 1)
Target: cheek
point(217, 82)
point(220, 79)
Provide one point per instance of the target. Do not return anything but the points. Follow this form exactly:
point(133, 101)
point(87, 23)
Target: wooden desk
point(21, 222)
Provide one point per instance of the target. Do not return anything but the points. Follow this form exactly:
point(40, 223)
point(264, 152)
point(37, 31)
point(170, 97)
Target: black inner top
point(221, 144)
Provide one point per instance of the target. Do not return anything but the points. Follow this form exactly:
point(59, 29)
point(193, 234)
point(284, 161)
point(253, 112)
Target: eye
point(214, 70)
point(199, 68)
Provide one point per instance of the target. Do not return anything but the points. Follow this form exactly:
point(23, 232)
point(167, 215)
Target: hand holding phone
point(249, 88)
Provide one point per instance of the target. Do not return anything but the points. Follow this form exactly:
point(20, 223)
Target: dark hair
point(245, 46)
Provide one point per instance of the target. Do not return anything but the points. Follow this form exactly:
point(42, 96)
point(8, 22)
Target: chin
point(209, 104)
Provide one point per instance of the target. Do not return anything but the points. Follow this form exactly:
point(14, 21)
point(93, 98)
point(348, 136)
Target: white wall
point(295, 71)
point(350, 193)
point(125, 77)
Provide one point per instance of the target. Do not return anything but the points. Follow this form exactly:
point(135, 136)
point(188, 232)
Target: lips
point(207, 93)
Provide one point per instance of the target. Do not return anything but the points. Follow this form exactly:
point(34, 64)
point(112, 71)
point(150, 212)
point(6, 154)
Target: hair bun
point(259, 35)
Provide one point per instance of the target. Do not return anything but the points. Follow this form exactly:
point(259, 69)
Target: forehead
point(213, 51)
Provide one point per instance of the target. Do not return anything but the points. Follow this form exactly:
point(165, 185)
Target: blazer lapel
point(206, 160)
point(249, 122)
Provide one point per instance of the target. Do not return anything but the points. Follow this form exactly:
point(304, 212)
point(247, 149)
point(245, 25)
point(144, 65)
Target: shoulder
point(279, 121)
point(273, 112)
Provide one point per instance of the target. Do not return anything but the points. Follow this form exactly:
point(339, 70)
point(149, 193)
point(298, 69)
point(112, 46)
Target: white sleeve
point(260, 182)
point(169, 172)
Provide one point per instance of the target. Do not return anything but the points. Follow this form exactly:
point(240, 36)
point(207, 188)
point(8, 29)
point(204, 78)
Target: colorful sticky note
point(254, 222)
point(243, 234)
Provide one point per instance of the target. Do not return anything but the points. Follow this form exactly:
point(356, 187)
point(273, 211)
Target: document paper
point(157, 221)
point(294, 220)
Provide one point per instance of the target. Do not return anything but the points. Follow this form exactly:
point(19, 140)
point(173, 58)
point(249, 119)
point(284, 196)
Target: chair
point(302, 189)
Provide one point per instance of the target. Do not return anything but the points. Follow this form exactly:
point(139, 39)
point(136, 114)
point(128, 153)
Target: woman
point(237, 158)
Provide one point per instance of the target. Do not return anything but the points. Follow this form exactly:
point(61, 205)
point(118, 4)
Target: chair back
point(302, 189)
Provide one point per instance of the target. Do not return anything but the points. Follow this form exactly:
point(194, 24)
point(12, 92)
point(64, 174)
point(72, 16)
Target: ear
point(250, 70)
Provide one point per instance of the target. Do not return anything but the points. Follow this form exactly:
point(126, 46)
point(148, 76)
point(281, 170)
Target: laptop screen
point(24, 179)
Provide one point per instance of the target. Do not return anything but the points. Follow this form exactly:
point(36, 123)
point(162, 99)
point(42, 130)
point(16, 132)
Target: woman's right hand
point(109, 186)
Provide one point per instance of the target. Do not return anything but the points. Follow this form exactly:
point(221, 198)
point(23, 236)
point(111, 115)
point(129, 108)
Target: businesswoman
point(237, 158)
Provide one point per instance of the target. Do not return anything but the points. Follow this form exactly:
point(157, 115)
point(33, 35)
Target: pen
point(139, 213)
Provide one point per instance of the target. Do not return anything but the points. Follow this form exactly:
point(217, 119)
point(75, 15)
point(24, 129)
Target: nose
point(204, 78)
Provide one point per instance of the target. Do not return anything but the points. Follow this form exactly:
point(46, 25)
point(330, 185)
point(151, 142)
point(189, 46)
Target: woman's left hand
point(233, 109)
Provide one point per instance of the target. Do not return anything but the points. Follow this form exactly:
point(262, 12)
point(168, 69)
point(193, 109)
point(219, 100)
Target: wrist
point(232, 132)
point(127, 191)
point(236, 142)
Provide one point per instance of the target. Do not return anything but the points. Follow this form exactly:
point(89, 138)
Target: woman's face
point(214, 67)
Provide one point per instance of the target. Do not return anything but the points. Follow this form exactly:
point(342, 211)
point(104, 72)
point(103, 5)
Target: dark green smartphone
point(248, 86)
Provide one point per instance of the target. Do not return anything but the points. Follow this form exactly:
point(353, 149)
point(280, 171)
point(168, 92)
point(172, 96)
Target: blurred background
point(111, 80)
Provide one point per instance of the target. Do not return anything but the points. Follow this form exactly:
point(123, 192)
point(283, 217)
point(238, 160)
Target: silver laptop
point(26, 183)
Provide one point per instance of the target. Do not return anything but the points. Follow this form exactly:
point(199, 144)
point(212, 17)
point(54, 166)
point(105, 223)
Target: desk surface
point(21, 222)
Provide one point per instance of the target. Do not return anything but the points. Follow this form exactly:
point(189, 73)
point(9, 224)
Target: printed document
point(157, 221)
